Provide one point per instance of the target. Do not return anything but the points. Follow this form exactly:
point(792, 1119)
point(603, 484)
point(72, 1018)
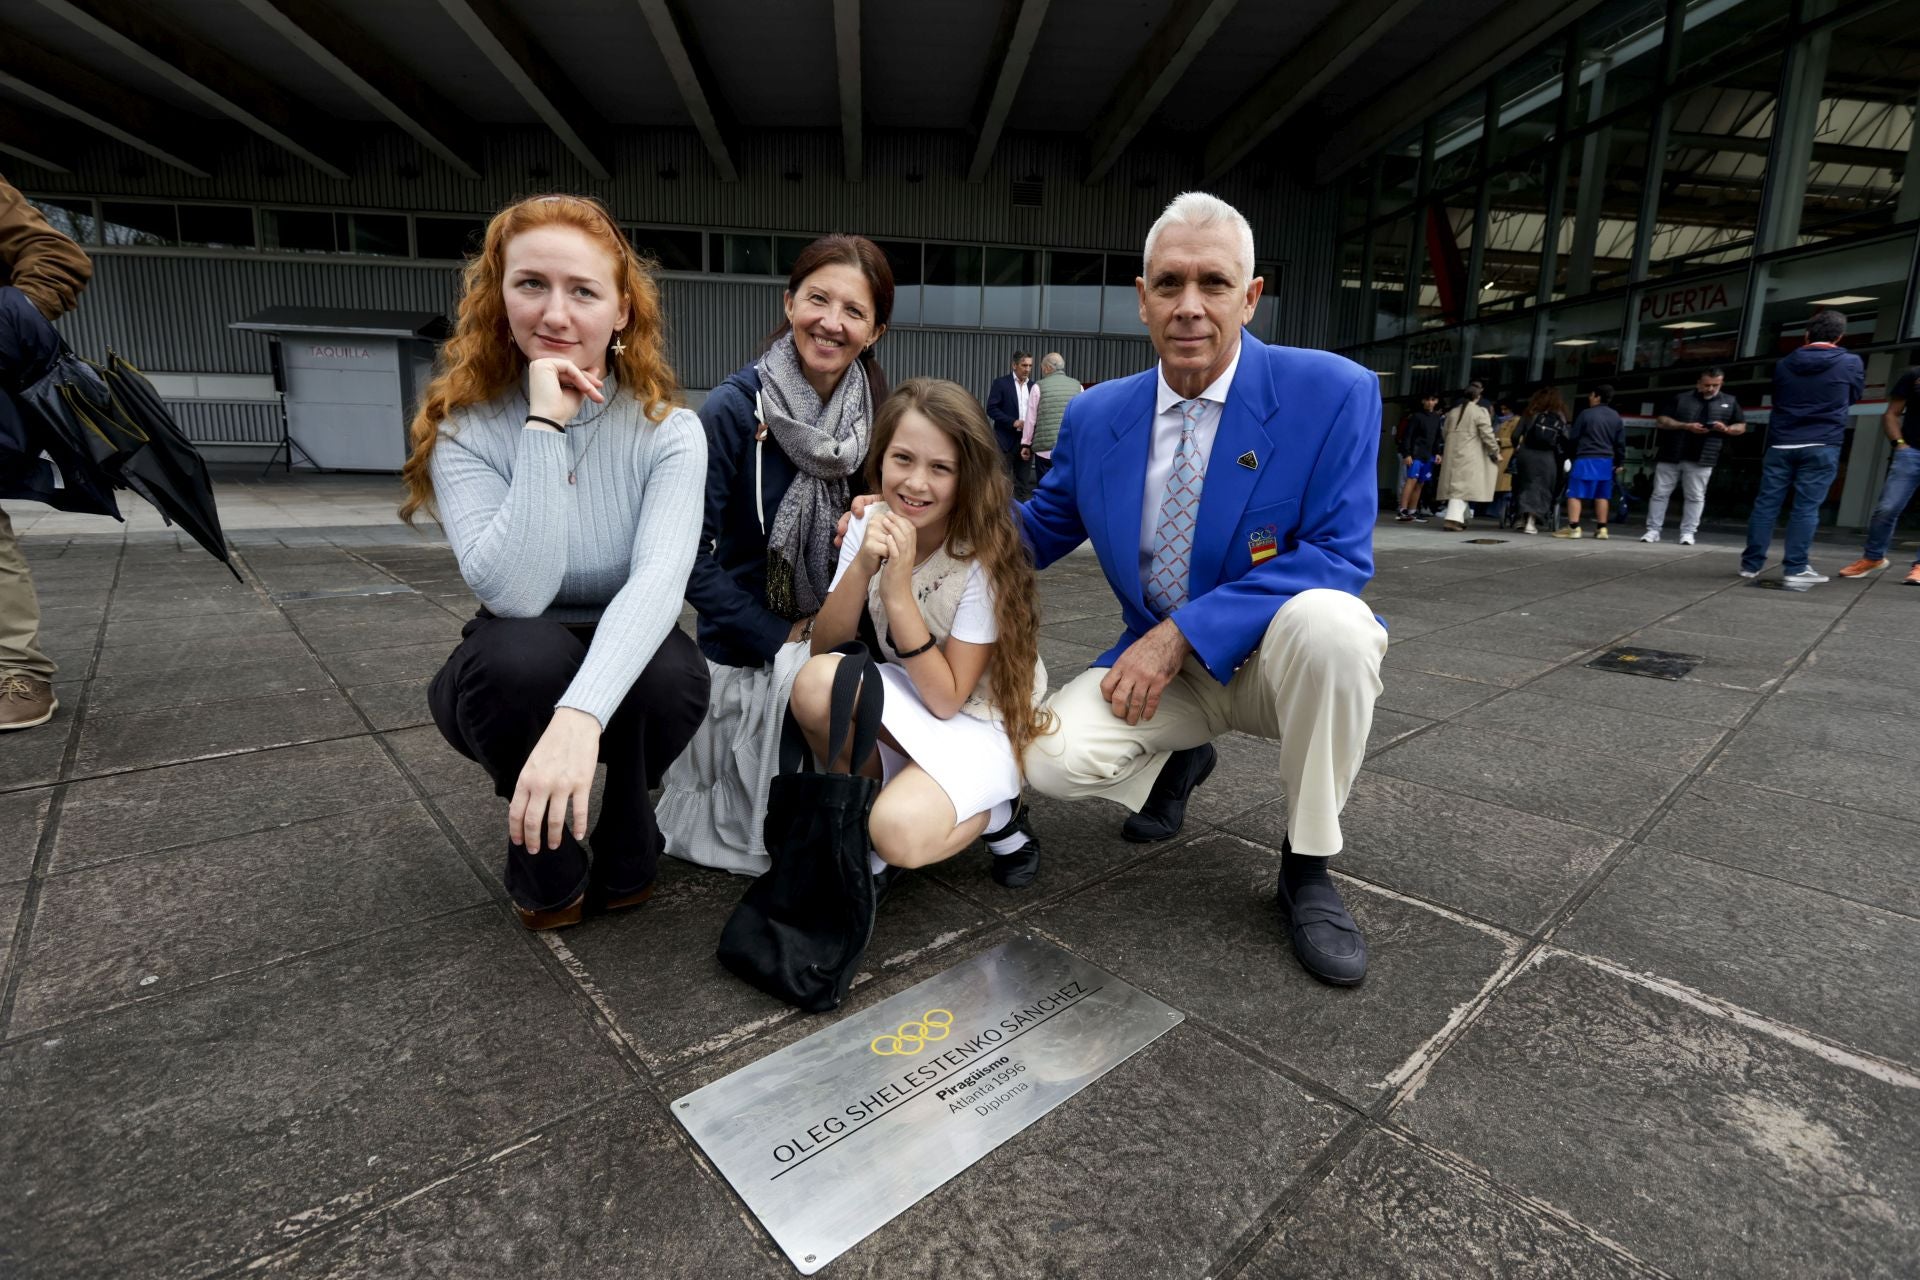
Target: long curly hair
point(481, 360)
point(981, 527)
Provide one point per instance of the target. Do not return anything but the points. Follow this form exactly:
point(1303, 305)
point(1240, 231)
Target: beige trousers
point(19, 612)
point(1310, 685)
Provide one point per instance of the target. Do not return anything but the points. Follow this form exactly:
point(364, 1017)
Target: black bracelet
point(913, 653)
point(561, 427)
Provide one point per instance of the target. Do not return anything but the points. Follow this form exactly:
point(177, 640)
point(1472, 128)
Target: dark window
point(127, 223)
point(716, 251)
point(904, 257)
point(381, 234)
point(673, 250)
point(217, 226)
point(451, 239)
point(787, 252)
point(952, 293)
point(302, 230)
point(749, 255)
point(72, 218)
point(1074, 268)
point(953, 264)
point(1123, 269)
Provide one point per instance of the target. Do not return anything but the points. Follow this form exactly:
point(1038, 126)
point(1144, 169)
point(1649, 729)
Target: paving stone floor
point(1643, 999)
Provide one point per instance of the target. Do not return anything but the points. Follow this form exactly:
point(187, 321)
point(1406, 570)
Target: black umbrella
point(58, 430)
point(114, 418)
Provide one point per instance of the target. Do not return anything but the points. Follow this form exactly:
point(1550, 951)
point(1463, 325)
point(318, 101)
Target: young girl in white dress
point(939, 566)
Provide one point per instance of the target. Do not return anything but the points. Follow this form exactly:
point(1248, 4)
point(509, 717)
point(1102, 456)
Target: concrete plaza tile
point(145, 926)
point(596, 1196)
point(1433, 697)
point(1771, 758)
point(132, 813)
point(1390, 726)
point(373, 622)
point(339, 575)
point(1822, 846)
point(23, 814)
point(1201, 929)
point(1854, 682)
point(1835, 727)
point(655, 965)
point(12, 898)
point(397, 704)
point(1389, 1209)
point(1506, 633)
point(1564, 783)
point(1246, 774)
point(212, 651)
point(1499, 864)
point(186, 1135)
point(146, 632)
point(437, 767)
point(1739, 662)
point(1842, 970)
point(31, 757)
point(1428, 655)
point(1678, 699)
point(1065, 659)
point(146, 738)
point(191, 686)
point(1628, 735)
point(1703, 1147)
point(134, 601)
point(384, 666)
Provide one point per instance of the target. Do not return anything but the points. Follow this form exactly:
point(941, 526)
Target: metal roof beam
point(350, 56)
point(540, 81)
point(39, 140)
point(72, 91)
point(1327, 53)
point(1152, 77)
point(691, 76)
point(222, 82)
point(846, 53)
point(1012, 49)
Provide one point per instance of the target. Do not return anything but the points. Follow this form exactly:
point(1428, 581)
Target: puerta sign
point(830, 1138)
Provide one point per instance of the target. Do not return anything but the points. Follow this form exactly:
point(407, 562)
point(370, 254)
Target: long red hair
point(481, 360)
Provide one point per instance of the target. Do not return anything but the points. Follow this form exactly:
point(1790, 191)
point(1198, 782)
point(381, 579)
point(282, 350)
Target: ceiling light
point(1844, 300)
point(1491, 355)
point(1689, 324)
point(1576, 342)
point(1386, 373)
point(1423, 366)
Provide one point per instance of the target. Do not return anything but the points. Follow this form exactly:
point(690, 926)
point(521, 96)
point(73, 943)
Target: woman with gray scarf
point(785, 437)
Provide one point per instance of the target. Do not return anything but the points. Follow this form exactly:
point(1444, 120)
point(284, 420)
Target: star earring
point(619, 347)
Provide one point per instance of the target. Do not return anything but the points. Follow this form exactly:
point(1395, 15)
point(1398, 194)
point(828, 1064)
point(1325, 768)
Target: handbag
point(802, 927)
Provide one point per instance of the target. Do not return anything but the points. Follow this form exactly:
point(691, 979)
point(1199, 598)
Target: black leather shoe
point(1326, 941)
point(1165, 811)
point(1015, 870)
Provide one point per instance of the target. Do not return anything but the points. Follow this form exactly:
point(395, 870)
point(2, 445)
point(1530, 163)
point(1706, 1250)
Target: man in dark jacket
point(1009, 410)
point(1598, 443)
point(1691, 433)
point(49, 270)
point(1813, 391)
point(1419, 452)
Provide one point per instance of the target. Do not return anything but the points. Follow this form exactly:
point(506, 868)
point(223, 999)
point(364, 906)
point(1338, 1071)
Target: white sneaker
point(1651, 535)
point(1749, 573)
point(1686, 539)
point(1805, 575)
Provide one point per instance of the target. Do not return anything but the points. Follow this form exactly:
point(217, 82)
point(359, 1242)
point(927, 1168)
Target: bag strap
point(857, 675)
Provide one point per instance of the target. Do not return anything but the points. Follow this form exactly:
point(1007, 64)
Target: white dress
point(969, 757)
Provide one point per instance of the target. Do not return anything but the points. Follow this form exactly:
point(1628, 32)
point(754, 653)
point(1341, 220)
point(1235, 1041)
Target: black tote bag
point(801, 928)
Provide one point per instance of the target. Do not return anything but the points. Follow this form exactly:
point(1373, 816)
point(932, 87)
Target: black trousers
point(495, 697)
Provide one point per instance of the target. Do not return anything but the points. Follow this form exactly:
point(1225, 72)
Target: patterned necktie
point(1168, 570)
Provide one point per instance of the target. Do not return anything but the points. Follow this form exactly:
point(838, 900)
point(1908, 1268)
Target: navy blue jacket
point(28, 348)
point(1003, 410)
point(1598, 432)
point(1812, 390)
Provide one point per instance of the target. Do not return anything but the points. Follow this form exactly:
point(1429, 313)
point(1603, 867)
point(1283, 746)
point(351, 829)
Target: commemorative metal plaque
point(830, 1138)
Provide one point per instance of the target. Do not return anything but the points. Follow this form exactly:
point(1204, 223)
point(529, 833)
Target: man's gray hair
point(1198, 209)
point(1054, 363)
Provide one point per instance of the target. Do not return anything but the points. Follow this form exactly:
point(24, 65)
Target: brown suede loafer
point(556, 917)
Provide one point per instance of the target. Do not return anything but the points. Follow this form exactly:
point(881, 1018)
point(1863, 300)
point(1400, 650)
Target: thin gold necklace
point(578, 458)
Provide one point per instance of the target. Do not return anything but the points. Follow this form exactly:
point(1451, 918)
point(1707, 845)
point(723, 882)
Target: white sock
point(998, 817)
point(875, 863)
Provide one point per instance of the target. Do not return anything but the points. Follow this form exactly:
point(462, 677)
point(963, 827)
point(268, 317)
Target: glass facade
point(1662, 186)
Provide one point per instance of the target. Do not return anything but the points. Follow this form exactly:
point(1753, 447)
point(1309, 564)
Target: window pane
point(904, 257)
point(952, 293)
point(72, 218)
point(1120, 307)
point(1354, 196)
point(1073, 292)
point(1865, 282)
point(1529, 98)
point(448, 239)
point(749, 255)
point(1013, 289)
point(1619, 55)
point(1501, 350)
point(1268, 306)
point(1456, 140)
point(1716, 166)
point(1400, 173)
point(673, 250)
point(384, 234)
point(1717, 30)
point(1443, 267)
point(1349, 305)
point(787, 251)
point(302, 230)
point(217, 226)
point(1516, 234)
point(1690, 322)
point(1601, 208)
point(1392, 247)
point(1583, 342)
point(1861, 128)
point(129, 223)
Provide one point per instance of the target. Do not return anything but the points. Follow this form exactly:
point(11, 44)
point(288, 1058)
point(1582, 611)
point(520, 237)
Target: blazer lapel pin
point(1248, 461)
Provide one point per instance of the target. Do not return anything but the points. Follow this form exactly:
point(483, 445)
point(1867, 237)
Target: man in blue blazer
point(1009, 401)
point(1230, 494)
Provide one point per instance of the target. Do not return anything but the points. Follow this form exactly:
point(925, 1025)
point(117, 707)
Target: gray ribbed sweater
point(614, 548)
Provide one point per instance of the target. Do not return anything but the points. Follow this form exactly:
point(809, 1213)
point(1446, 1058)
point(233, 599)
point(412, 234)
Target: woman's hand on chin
point(556, 386)
point(559, 773)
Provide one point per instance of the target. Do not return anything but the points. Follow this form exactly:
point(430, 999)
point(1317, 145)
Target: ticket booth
point(349, 381)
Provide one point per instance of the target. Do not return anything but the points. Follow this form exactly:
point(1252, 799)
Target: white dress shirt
point(1167, 425)
point(1020, 394)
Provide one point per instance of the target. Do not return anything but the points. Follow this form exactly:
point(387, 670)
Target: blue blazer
point(1003, 410)
point(1310, 421)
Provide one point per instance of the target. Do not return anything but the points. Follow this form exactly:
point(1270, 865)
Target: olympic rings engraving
point(911, 1037)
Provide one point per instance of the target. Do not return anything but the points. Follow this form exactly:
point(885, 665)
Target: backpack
point(1546, 431)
